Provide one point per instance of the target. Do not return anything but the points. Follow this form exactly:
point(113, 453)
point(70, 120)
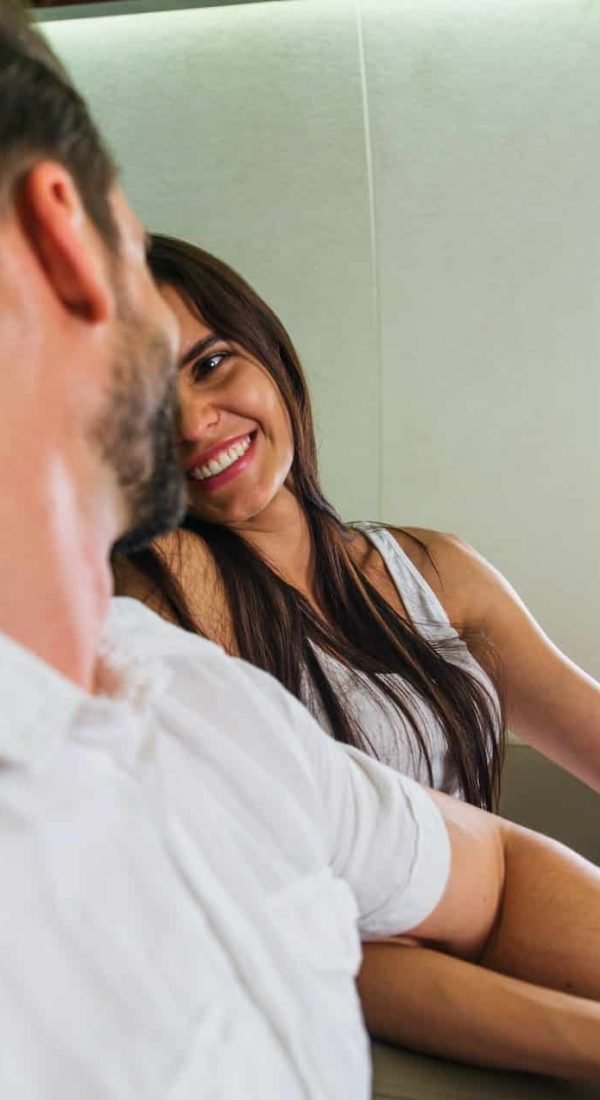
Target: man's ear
point(65, 242)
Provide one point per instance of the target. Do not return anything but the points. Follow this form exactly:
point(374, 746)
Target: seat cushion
point(403, 1075)
point(538, 794)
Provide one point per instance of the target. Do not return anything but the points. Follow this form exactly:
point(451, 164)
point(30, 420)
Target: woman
point(355, 620)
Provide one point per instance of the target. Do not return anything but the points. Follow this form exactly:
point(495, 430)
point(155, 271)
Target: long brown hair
point(275, 627)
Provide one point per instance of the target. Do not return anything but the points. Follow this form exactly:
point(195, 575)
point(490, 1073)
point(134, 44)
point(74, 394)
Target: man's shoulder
point(218, 696)
point(135, 632)
point(132, 622)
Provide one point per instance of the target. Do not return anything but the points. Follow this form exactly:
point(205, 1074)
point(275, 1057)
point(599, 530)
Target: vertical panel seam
point(373, 234)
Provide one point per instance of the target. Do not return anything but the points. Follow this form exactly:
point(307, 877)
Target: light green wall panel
point(458, 314)
point(242, 128)
point(485, 128)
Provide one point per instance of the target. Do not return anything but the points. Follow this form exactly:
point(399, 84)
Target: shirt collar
point(38, 704)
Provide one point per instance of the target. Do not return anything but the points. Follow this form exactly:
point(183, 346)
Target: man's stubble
point(137, 433)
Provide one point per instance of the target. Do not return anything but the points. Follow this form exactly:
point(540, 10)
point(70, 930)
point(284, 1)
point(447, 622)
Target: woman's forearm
point(447, 1007)
point(548, 927)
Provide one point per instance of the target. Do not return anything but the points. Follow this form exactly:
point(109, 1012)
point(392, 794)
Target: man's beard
point(137, 433)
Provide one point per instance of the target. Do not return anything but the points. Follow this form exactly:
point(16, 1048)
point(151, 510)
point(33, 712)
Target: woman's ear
point(65, 242)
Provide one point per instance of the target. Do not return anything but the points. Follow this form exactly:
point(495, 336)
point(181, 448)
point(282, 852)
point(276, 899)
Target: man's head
point(74, 282)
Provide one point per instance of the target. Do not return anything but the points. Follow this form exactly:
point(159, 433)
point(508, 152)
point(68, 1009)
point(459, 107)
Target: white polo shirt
point(185, 871)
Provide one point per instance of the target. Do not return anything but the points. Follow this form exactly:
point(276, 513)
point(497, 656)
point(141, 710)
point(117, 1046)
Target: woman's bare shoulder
point(422, 544)
point(131, 580)
point(188, 558)
point(446, 563)
point(139, 576)
point(189, 561)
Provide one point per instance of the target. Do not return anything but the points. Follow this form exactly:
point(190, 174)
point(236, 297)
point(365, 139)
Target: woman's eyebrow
point(197, 349)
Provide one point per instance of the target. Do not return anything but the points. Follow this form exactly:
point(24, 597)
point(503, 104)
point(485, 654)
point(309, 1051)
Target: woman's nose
point(196, 417)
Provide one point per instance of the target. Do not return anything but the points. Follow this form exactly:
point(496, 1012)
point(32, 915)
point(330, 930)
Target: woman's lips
point(225, 462)
point(202, 458)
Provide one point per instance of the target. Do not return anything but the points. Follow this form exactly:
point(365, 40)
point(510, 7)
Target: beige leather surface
point(400, 1075)
point(537, 794)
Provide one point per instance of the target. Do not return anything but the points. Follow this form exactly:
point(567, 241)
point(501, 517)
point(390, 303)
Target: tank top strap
point(420, 601)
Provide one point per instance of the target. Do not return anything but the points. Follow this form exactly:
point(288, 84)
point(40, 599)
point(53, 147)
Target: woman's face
point(235, 435)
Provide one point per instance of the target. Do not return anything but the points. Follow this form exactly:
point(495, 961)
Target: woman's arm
point(447, 1007)
point(551, 703)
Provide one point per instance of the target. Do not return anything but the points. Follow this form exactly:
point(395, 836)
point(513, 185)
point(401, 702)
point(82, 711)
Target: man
point(186, 860)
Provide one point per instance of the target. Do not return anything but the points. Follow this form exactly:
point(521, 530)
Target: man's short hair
point(42, 116)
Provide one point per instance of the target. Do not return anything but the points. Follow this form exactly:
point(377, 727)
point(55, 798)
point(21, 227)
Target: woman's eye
point(204, 367)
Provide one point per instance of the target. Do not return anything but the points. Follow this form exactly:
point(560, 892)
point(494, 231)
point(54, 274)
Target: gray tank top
point(390, 734)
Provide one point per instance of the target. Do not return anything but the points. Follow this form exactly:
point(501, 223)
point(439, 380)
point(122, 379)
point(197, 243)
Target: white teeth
point(221, 461)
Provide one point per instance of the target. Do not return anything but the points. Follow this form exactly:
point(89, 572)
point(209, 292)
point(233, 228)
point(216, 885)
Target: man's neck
point(55, 581)
point(60, 509)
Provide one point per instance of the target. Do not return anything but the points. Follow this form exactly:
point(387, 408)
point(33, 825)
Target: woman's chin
point(227, 513)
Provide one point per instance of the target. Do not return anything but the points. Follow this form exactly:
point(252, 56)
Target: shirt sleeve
point(385, 835)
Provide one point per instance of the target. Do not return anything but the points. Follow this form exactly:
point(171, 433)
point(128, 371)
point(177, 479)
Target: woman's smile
point(223, 462)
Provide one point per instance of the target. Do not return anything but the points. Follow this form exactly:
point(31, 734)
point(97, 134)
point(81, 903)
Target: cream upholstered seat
point(541, 796)
point(403, 1075)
